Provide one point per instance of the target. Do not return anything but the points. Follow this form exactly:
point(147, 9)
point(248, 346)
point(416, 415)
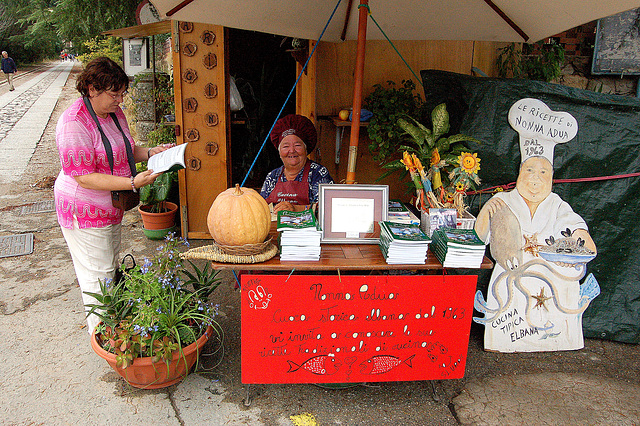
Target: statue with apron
point(540, 245)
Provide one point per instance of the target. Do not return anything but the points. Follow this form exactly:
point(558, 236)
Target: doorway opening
point(264, 72)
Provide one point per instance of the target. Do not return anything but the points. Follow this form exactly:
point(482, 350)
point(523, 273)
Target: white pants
point(95, 257)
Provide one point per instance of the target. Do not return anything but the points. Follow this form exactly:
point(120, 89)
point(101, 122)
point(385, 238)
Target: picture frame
point(350, 213)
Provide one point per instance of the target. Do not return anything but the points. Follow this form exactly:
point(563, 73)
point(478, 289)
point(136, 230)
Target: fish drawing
point(381, 364)
point(320, 365)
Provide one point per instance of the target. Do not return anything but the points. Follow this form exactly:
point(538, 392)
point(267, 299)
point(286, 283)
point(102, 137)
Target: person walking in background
point(8, 68)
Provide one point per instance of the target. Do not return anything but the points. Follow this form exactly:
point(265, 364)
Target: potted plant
point(441, 168)
point(155, 319)
point(158, 214)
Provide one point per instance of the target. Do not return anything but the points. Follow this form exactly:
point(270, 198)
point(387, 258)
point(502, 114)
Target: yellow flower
point(419, 167)
point(416, 162)
point(407, 161)
point(459, 187)
point(470, 163)
point(449, 197)
point(435, 157)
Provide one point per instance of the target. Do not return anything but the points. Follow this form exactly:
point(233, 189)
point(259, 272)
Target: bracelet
point(148, 153)
point(133, 186)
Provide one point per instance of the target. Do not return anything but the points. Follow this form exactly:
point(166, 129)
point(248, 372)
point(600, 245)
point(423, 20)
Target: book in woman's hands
point(168, 160)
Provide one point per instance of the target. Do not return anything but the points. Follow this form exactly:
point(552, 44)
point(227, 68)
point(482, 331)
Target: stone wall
point(579, 46)
point(142, 96)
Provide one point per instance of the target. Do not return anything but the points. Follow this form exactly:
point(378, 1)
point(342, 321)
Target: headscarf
point(294, 124)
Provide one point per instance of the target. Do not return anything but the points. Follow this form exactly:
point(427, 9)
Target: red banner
point(341, 329)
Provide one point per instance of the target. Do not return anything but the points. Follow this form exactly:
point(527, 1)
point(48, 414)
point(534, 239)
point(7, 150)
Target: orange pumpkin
point(239, 216)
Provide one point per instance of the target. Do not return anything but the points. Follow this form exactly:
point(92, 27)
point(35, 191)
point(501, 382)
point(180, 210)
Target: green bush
point(161, 135)
point(536, 61)
point(388, 105)
point(111, 47)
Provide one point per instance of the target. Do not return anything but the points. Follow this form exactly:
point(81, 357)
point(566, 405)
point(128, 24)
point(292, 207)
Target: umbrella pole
point(357, 91)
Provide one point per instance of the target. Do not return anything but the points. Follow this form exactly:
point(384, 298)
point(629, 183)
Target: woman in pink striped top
point(89, 222)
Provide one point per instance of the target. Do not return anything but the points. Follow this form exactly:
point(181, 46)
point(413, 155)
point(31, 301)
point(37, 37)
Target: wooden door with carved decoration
point(200, 83)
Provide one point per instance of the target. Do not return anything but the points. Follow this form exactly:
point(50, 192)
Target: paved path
point(548, 399)
point(24, 114)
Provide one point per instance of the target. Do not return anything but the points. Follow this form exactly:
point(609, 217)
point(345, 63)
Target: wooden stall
point(201, 89)
point(326, 86)
point(201, 82)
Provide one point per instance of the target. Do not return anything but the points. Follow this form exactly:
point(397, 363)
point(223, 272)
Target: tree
point(102, 46)
point(7, 17)
point(39, 37)
point(78, 21)
point(32, 30)
point(15, 37)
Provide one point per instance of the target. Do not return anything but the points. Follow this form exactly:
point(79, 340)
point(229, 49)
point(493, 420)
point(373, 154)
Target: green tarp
point(607, 144)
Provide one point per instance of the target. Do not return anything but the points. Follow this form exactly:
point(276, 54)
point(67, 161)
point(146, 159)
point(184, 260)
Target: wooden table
point(340, 126)
point(343, 257)
point(283, 299)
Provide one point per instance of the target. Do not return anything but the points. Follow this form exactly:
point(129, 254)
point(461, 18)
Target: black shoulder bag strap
point(105, 140)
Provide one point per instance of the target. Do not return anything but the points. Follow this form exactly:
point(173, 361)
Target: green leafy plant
point(438, 154)
point(203, 280)
point(163, 95)
point(152, 311)
point(162, 189)
point(163, 134)
point(156, 193)
point(533, 61)
point(388, 105)
point(111, 47)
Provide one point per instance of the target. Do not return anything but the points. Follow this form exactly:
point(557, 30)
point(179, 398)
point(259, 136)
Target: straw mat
point(215, 253)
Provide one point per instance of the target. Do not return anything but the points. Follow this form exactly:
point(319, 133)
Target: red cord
point(512, 185)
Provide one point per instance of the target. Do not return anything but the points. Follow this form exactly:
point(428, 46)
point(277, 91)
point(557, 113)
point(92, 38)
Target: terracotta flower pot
point(145, 374)
point(162, 220)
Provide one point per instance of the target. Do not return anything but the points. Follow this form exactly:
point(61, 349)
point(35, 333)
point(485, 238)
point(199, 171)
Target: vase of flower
point(158, 214)
point(156, 318)
point(144, 373)
point(441, 170)
point(165, 218)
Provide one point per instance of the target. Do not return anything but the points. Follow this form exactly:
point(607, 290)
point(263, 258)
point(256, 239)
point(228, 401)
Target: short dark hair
point(103, 74)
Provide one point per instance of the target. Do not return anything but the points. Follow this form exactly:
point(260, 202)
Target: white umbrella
point(482, 20)
point(400, 19)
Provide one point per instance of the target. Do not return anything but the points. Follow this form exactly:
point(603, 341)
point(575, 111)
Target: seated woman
point(294, 186)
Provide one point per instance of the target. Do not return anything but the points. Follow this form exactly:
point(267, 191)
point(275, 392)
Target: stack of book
point(399, 213)
point(403, 243)
point(299, 235)
point(458, 248)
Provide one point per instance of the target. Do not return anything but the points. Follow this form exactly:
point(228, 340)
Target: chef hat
point(298, 125)
point(540, 129)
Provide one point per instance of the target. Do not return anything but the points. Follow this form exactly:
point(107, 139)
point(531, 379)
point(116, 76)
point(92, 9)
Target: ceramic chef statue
point(534, 300)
